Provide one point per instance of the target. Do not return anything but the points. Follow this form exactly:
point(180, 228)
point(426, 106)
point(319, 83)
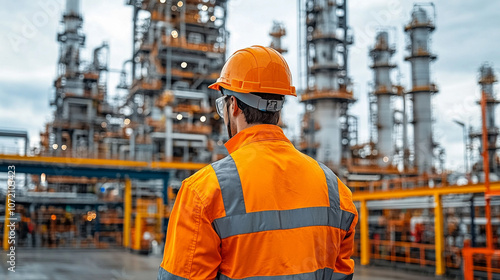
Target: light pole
point(466, 167)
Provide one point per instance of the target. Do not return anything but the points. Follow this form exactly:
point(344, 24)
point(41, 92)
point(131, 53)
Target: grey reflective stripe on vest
point(237, 221)
point(334, 197)
point(165, 275)
point(323, 274)
point(282, 219)
point(333, 186)
point(230, 186)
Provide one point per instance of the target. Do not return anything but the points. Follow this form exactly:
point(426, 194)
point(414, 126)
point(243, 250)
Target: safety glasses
point(219, 105)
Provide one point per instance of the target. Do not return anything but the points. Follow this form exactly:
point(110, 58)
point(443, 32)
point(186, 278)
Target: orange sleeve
point(344, 263)
point(192, 247)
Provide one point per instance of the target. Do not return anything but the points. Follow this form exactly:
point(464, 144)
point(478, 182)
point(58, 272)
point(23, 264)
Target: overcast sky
point(467, 35)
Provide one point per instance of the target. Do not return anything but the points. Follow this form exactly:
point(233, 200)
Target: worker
point(266, 211)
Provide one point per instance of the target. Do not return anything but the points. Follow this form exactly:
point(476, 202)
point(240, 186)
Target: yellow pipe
point(104, 162)
point(364, 234)
point(178, 165)
point(159, 203)
point(137, 231)
point(5, 225)
point(127, 199)
point(424, 191)
point(439, 235)
point(74, 161)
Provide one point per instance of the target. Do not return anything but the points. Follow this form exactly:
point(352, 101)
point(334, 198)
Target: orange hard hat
point(256, 69)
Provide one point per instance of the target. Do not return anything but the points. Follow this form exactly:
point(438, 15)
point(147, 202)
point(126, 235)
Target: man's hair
point(255, 116)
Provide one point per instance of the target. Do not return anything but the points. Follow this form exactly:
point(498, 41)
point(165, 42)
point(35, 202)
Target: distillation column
point(486, 79)
point(419, 31)
point(327, 92)
point(276, 33)
point(71, 39)
point(383, 91)
point(80, 117)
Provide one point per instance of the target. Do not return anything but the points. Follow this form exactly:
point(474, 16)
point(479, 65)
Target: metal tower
point(420, 57)
point(80, 92)
point(71, 40)
point(327, 94)
point(487, 79)
point(276, 33)
point(382, 92)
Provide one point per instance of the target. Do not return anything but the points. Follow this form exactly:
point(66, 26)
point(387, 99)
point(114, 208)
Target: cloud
point(29, 109)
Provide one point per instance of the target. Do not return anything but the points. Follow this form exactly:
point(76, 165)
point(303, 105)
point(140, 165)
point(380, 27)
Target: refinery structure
point(327, 124)
point(107, 171)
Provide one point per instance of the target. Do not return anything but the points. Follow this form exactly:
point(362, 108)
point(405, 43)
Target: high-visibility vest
point(264, 212)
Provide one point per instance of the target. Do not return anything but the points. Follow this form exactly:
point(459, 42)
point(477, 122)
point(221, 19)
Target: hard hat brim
point(217, 85)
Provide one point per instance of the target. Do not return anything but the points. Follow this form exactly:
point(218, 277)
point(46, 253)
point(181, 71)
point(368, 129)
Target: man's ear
point(235, 104)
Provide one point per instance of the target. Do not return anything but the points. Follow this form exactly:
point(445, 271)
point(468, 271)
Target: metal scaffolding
point(180, 50)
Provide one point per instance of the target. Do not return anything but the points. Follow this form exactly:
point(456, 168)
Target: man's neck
point(243, 125)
